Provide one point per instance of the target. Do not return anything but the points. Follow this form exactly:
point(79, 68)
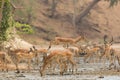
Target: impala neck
point(77, 39)
point(8, 50)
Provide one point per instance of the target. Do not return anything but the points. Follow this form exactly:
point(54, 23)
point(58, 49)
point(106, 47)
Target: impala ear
point(31, 50)
point(33, 47)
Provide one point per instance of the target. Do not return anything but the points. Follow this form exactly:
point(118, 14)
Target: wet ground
point(86, 71)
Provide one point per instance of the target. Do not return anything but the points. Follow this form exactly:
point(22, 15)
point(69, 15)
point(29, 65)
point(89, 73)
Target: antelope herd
point(62, 58)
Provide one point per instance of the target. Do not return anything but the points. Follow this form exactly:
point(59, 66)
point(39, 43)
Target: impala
point(42, 52)
point(60, 57)
point(91, 52)
point(18, 54)
point(107, 48)
point(3, 61)
point(66, 41)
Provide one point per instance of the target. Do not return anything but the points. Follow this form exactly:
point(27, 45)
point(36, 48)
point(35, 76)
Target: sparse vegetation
point(23, 28)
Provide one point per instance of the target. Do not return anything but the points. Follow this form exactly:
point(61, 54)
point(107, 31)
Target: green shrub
point(24, 28)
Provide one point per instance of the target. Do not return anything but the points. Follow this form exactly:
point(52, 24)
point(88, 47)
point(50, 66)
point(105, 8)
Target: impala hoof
point(17, 72)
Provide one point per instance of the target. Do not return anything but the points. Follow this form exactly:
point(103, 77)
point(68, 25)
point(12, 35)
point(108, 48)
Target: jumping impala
point(61, 57)
point(18, 54)
point(66, 41)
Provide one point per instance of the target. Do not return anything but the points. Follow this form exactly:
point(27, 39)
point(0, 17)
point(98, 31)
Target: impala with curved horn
point(108, 50)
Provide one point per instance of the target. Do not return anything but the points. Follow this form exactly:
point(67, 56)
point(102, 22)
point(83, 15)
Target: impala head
point(33, 47)
point(82, 52)
point(34, 50)
point(108, 44)
point(83, 37)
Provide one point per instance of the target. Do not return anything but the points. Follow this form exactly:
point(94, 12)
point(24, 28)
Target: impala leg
point(111, 62)
point(29, 61)
point(104, 62)
point(73, 65)
point(45, 64)
point(2, 66)
point(103, 56)
point(17, 69)
point(87, 56)
point(61, 69)
point(37, 59)
point(118, 60)
point(67, 45)
point(6, 67)
point(65, 66)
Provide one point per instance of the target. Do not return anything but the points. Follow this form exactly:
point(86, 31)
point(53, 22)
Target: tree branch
point(14, 7)
point(86, 11)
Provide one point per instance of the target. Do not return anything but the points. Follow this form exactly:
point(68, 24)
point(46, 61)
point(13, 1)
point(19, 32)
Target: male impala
point(111, 53)
point(107, 48)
